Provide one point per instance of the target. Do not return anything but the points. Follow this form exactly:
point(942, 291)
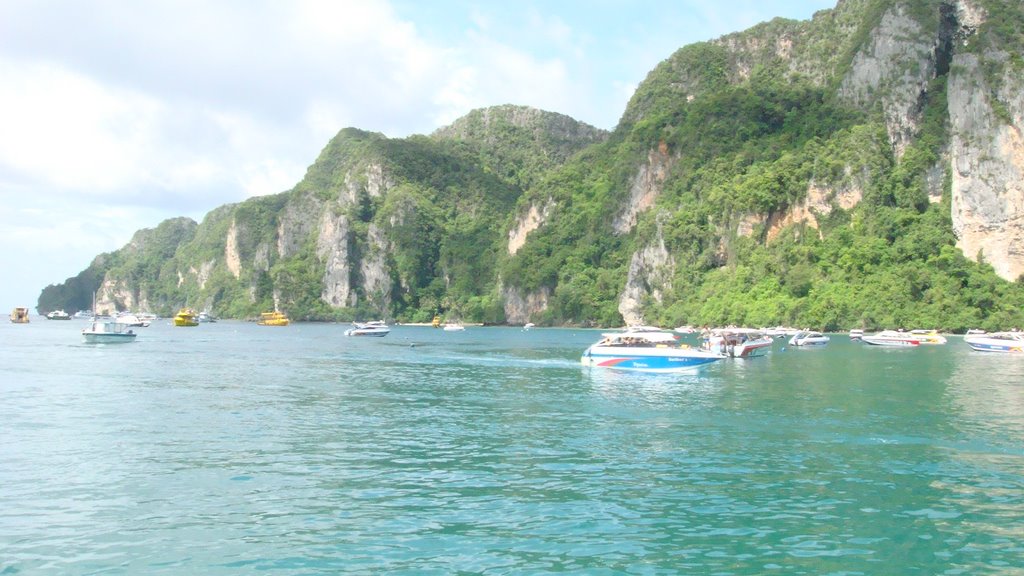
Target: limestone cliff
point(987, 148)
point(733, 159)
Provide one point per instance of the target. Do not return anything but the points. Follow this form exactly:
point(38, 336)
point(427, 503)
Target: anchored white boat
point(1005, 342)
point(374, 328)
point(738, 342)
point(808, 339)
point(107, 331)
point(891, 338)
point(645, 351)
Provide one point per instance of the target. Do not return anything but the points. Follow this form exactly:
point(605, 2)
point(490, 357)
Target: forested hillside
point(859, 169)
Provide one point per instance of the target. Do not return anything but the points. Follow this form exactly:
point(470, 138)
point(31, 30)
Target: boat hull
point(891, 342)
point(810, 342)
point(751, 349)
point(983, 344)
point(107, 338)
point(108, 332)
point(373, 332)
point(647, 359)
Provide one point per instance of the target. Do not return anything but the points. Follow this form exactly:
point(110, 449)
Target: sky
point(118, 114)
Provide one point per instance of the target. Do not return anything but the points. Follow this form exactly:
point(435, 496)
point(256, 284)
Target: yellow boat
point(273, 319)
point(437, 322)
point(19, 315)
point(186, 317)
point(928, 336)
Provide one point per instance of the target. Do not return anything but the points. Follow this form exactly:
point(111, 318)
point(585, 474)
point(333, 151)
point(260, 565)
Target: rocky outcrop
point(113, 297)
point(521, 307)
point(819, 202)
point(894, 68)
point(526, 223)
point(296, 222)
point(650, 276)
point(644, 189)
point(231, 257)
point(373, 268)
point(987, 152)
point(332, 248)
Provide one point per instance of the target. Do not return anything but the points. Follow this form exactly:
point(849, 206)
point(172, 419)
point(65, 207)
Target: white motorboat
point(645, 351)
point(454, 327)
point(1004, 342)
point(374, 328)
point(107, 332)
point(738, 342)
point(856, 334)
point(58, 315)
point(808, 339)
point(891, 338)
point(131, 320)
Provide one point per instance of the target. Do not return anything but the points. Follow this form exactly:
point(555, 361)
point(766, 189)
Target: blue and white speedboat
point(646, 351)
point(1006, 342)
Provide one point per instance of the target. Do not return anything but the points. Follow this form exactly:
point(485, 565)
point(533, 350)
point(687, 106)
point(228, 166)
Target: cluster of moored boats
point(651, 349)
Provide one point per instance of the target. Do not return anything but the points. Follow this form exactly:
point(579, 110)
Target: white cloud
point(132, 112)
point(62, 129)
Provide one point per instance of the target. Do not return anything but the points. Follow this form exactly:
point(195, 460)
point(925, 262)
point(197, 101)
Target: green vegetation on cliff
point(739, 188)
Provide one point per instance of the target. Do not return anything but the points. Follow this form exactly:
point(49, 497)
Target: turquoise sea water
point(231, 448)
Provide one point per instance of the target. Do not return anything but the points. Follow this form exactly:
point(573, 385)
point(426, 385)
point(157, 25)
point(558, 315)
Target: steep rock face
point(988, 164)
point(232, 259)
point(644, 189)
point(296, 222)
point(113, 296)
point(374, 270)
point(526, 223)
point(820, 201)
point(650, 274)
point(333, 250)
point(520, 307)
point(894, 67)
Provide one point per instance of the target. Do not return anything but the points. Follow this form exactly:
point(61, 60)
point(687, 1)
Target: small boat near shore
point(274, 318)
point(645, 352)
point(108, 332)
point(58, 315)
point(186, 317)
point(19, 316)
point(374, 328)
point(891, 338)
point(856, 334)
point(1003, 342)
